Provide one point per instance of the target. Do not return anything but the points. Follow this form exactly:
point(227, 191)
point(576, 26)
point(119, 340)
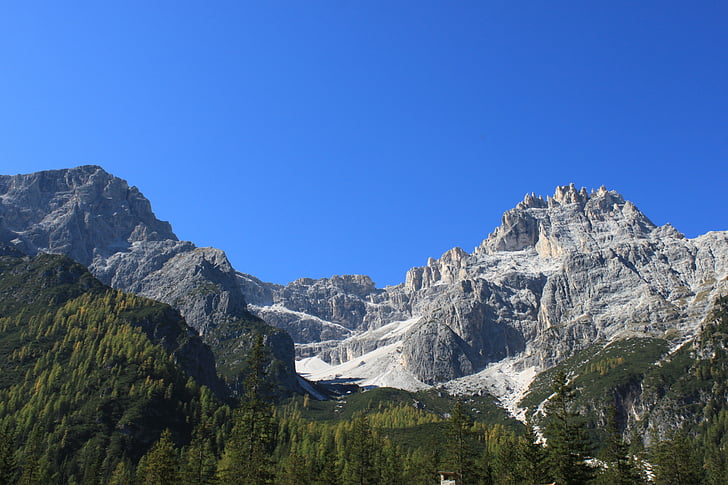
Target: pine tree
point(161, 463)
point(199, 464)
point(675, 461)
point(360, 458)
point(247, 458)
point(713, 368)
point(460, 449)
point(8, 465)
point(421, 465)
point(530, 465)
point(391, 464)
point(295, 470)
point(123, 474)
point(328, 473)
point(568, 447)
point(35, 462)
point(327, 468)
point(619, 467)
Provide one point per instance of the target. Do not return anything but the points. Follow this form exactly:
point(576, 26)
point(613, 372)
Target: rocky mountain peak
point(81, 212)
point(567, 194)
point(571, 219)
point(532, 201)
point(103, 223)
point(447, 269)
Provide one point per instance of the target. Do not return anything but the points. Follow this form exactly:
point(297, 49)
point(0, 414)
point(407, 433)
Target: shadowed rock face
point(557, 275)
point(101, 222)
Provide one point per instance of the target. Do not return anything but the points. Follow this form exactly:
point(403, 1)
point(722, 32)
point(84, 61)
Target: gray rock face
point(83, 213)
point(200, 282)
point(101, 222)
point(558, 275)
point(340, 299)
point(329, 308)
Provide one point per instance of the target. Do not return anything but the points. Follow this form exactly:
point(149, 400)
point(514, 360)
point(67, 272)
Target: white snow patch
point(505, 380)
point(279, 308)
point(311, 365)
point(390, 330)
point(382, 367)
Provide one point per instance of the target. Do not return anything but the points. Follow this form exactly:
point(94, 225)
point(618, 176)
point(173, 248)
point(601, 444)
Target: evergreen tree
point(676, 462)
point(247, 458)
point(421, 465)
point(391, 464)
point(328, 472)
point(619, 467)
point(530, 465)
point(360, 458)
point(568, 446)
point(199, 463)
point(35, 461)
point(8, 465)
point(123, 474)
point(327, 468)
point(713, 369)
point(492, 466)
point(160, 465)
point(295, 470)
point(460, 449)
point(716, 461)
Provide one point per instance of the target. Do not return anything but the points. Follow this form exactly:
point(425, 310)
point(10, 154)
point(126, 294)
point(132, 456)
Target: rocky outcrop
point(103, 223)
point(339, 299)
point(200, 282)
point(560, 273)
point(84, 213)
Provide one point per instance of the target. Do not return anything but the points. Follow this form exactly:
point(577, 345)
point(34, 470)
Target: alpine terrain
point(101, 222)
point(578, 270)
point(579, 281)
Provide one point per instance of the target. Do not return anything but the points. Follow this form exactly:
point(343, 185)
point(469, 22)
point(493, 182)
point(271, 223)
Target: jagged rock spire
point(573, 219)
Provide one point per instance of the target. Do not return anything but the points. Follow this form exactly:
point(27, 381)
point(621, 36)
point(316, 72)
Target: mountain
point(101, 222)
point(91, 376)
point(580, 281)
point(570, 272)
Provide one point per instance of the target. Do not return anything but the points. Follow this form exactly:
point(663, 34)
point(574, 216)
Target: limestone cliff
point(559, 274)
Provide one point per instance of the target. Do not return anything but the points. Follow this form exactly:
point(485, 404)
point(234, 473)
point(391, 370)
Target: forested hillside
point(90, 375)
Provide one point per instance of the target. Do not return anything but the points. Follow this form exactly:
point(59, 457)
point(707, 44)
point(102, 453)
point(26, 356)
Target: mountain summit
point(103, 223)
point(85, 213)
point(559, 274)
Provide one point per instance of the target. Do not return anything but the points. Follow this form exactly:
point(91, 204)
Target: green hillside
point(86, 381)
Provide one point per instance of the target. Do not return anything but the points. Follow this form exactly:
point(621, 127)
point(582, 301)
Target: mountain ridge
point(108, 226)
point(553, 268)
point(559, 274)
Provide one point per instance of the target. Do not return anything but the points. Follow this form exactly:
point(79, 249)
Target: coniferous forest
point(92, 391)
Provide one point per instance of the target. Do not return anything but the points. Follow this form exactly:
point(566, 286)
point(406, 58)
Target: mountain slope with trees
point(90, 376)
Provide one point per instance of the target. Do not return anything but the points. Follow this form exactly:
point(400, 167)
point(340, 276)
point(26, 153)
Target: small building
point(449, 478)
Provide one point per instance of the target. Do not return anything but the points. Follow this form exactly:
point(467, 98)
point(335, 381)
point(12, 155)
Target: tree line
point(87, 397)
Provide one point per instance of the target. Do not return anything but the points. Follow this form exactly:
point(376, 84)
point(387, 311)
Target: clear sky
point(313, 138)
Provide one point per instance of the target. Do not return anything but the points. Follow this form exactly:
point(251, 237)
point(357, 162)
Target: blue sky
point(312, 138)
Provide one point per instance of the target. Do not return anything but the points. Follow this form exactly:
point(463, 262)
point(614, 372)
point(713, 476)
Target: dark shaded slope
point(90, 375)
